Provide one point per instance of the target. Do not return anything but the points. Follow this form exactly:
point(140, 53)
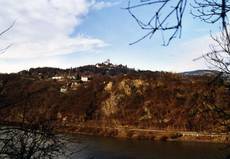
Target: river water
point(110, 148)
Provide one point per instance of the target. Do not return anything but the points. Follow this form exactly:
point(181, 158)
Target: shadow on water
point(110, 148)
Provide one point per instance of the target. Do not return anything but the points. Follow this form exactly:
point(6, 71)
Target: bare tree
point(33, 136)
point(31, 141)
point(219, 56)
point(219, 59)
point(211, 11)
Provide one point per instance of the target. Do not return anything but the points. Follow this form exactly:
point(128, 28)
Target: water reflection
point(109, 148)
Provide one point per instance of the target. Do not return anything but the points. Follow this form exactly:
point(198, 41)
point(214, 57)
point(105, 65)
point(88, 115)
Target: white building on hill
point(84, 79)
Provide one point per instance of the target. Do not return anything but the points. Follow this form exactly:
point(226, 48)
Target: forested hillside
point(138, 99)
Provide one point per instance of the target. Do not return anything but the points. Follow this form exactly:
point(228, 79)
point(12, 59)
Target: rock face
point(111, 105)
point(149, 100)
point(126, 88)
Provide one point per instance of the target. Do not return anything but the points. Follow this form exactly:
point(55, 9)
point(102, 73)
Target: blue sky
point(72, 33)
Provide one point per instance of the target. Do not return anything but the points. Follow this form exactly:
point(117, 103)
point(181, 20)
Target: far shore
point(148, 134)
point(126, 132)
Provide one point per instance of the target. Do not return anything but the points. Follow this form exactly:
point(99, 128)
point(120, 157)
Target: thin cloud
point(188, 51)
point(102, 4)
point(43, 27)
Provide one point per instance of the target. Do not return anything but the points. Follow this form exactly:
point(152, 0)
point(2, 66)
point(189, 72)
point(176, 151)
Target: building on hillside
point(63, 90)
point(98, 65)
point(59, 78)
point(71, 77)
point(40, 76)
point(84, 78)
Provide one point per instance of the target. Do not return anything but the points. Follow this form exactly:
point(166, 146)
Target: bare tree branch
point(3, 50)
point(166, 17)
point(7, 29)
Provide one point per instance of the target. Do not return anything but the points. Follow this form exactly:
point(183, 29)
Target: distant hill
point(98, 69)
point(200, 73)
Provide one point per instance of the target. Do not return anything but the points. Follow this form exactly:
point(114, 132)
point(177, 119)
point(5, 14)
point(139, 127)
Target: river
point(110, 148)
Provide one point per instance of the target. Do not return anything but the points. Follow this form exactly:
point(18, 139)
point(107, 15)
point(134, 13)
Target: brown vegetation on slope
point(156, 100)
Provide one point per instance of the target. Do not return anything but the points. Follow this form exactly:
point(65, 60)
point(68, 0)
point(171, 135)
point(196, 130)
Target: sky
point(72, 33)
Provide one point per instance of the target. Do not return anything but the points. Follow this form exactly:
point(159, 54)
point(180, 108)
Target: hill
point(201, 73)
point(113, 96)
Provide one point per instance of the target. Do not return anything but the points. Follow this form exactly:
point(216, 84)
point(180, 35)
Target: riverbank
point(147, 134)
point(128, 132)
